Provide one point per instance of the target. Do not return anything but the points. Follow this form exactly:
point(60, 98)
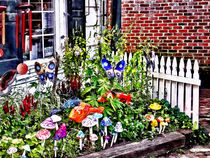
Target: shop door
point(76, 20)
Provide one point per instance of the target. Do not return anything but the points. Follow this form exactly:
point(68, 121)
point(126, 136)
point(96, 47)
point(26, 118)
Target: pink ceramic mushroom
point(43, 135)
point(48, 123)
point(93, 138)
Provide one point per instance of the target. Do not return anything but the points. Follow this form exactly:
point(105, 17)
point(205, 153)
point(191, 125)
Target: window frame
point(43, 35)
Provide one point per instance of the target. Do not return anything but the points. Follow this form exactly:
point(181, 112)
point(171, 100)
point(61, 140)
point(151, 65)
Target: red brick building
point(179, 28)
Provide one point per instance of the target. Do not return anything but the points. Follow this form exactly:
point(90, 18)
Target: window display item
point(26, 8)
point(3, 12)
point(1, 53)
point(117, 72)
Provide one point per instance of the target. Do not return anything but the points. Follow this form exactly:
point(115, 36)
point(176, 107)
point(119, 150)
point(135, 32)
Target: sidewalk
point(194, 152)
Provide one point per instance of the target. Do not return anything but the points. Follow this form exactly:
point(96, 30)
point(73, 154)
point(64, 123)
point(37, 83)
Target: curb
point(145, 148)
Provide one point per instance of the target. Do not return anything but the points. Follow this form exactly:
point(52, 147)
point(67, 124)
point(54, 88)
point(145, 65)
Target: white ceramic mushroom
point(48, 123)
point(43, 135)
point(97, 116)
point(26, 148)
point(118, 128)
point(89, 121)
point(80, 136)
point(55, 119)
point(93, 138)
point(12, 150)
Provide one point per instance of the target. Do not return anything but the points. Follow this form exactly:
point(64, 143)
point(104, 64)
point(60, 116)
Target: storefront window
point(42, 30)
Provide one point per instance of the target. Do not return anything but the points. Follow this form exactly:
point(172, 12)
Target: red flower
point(12, 111)
point(6, 109)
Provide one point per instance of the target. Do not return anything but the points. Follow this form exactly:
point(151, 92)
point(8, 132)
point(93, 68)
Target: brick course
point(178, 27)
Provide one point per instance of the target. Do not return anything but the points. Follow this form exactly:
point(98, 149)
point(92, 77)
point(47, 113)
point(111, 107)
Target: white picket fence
point(177, 82)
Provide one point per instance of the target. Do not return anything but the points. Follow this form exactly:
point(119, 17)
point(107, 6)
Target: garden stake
point(118, 128)
point(113, 137)
point(24, 8)
point(2, 11)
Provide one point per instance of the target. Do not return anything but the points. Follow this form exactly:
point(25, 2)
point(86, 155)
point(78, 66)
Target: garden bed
point(163, 144)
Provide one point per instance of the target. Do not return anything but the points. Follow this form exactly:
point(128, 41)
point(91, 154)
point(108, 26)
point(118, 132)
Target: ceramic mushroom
point(12, 150)
point(55, 119)
point(80, 136)
point(118, 128)
point(160, 119)
point(26, 148)
point(97, 116)
point(48, 124)
point(93, 138)
point(43, 135)
point(55, 148)
point(155, 107)
point(89, 121)
point(105, 123)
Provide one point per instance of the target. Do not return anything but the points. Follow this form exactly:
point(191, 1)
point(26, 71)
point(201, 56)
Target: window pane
point(36, 23)
point(48, 46)
point(35, 3)
point(48, 5)
point(48, 22)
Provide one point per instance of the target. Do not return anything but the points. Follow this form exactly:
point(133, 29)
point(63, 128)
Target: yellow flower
point(155, 106)
point(154, 123)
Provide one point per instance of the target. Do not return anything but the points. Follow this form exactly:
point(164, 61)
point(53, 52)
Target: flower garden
point(103, 101)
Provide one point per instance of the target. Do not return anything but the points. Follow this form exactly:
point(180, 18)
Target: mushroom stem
point(24, 152)
point(97, 125)
point(91, 131)
point(55, 153)
point(115, 138)
point(105, 130)
point(112, 140)
point(160, 129)
point(43, 143)
point(164, 128)
point(12, 155)
point(56, 126)
point(154, 113)
point(80, 143)
point(55, 143)
point(106, 141)
point(102, 141)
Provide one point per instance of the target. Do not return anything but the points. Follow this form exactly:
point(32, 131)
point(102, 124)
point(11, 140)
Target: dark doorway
point(76, 20)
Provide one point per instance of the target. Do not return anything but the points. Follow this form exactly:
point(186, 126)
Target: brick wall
point(178, 27)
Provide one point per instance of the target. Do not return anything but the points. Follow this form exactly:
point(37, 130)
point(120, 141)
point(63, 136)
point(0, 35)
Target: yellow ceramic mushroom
point(155, 106)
